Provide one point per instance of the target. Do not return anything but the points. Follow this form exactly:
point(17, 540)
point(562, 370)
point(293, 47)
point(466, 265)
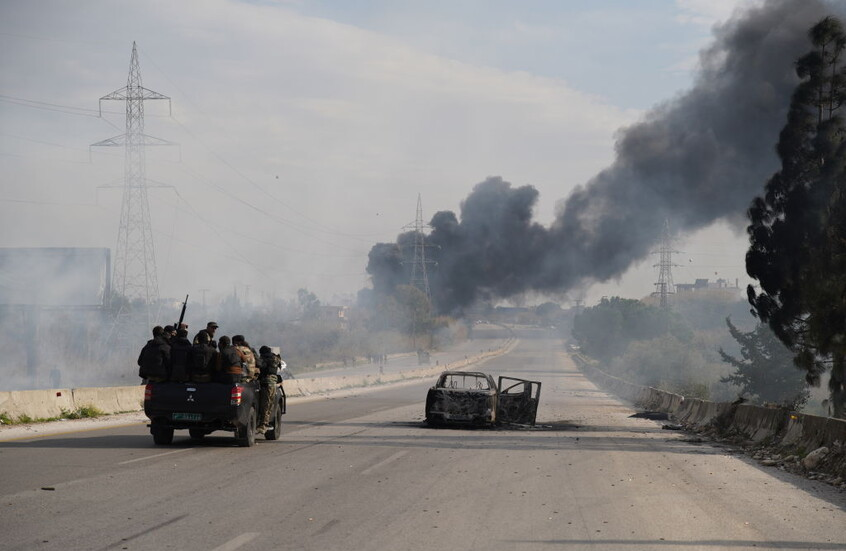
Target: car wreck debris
point(472, 397)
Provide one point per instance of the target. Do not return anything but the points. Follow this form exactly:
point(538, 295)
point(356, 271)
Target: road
point(362, 472)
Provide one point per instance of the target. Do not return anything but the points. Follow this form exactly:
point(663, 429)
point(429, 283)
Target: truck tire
point(197, 434)
point(435, 420)
point(162, 436)
point(246, 435)
point(276, 429)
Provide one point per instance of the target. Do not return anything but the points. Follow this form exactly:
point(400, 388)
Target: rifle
point(182, 315)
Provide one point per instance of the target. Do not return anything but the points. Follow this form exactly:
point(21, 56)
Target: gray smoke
point(696, 159)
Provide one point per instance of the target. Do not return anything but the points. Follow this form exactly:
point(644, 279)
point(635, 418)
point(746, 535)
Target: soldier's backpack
point(201, 363)
point(153, 361)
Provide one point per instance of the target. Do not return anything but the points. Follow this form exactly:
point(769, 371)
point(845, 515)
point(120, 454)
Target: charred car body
point(472, 397)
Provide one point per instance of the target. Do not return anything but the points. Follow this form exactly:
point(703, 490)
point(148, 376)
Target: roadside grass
point(84, 412)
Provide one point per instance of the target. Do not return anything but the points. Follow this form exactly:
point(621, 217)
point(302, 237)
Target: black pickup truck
point(206, 407)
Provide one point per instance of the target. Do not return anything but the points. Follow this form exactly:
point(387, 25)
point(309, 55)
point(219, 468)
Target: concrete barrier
point(44, 404)
point(36, 404)
point(757, 423)
point(318, 385)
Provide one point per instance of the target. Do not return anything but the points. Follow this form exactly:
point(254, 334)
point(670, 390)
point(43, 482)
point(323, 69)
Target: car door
point(518, 401)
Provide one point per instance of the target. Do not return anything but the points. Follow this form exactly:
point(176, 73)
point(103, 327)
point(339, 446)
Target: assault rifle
point(182, 315)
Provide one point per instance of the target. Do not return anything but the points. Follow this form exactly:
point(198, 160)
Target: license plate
point(187, 416)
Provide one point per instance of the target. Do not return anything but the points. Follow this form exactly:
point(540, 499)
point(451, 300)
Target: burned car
point(472, 397)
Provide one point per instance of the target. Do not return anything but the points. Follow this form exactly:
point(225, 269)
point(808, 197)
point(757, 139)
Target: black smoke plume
point(693, 160)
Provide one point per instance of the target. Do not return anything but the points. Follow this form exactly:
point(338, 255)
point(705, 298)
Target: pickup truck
point(461, 397)
point(203, 408)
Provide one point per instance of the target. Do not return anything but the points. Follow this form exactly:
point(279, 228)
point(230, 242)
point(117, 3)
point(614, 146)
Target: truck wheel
point(435, 420)
point(197, 434)
point(246, 435)
point(274, 432)
point(163, 436)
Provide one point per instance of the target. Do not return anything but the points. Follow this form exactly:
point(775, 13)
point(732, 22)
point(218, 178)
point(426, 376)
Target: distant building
point(701, 284)
point(333, 313)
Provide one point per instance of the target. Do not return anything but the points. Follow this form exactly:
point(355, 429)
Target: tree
point(416, 311)
point(605, 330)
point(796, 229)
point(309, 304)
point(765, 369)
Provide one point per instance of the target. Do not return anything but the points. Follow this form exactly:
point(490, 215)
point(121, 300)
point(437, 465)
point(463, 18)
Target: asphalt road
point(362, 472)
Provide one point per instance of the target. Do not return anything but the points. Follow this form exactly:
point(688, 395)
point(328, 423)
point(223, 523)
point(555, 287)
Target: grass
point(84, 412)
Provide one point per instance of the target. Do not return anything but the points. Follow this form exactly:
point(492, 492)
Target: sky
point(307, 129)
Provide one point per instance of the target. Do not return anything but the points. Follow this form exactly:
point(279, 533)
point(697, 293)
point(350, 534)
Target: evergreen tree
point(797, 230)
point(765, 369)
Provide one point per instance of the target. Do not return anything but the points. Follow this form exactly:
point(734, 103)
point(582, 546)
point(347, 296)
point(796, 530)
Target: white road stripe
point(384, 462)
point(154, 456)
point(235, 543)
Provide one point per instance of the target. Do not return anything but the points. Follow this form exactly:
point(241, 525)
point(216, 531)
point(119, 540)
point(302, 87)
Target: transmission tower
point(419, 272)
point(665, 287)
point(134, 274)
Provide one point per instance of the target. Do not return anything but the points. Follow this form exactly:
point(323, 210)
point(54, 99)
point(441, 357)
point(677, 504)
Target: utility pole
point(665, 286)
point(134, 276)
point(419, 273)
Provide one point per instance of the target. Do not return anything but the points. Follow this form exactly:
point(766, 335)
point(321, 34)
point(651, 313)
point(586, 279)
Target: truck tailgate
point(191, 402)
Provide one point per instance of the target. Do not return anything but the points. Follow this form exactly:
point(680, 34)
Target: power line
point(60, 108)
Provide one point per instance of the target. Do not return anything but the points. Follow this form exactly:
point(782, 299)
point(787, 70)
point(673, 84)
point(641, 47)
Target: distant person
point(154, 360)
point(180, 356)
point(169, 333)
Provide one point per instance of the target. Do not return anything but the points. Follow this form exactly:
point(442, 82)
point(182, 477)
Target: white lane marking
point(384, 462)
point(237, 542)
point(154, 456)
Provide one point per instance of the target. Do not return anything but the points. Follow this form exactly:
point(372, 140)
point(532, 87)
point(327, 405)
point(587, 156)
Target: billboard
point(53, 276)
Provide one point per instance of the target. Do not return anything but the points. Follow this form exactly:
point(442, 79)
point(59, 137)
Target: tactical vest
point(249, 359)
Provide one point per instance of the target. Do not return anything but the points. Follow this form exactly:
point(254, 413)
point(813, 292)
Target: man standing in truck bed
point(270, 363)
point(248, 356)
point(154, 360)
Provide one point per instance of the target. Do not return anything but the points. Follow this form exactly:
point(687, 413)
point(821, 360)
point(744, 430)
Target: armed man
point(270, 364)
point(154, 360)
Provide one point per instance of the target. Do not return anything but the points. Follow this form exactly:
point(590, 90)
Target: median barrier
point(757, 423)
point(129, 398)
point(103, 399)
point(36, 404)
point(318, 385)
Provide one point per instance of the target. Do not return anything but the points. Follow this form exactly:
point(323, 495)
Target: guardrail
point(757, 423)
point(45, 404)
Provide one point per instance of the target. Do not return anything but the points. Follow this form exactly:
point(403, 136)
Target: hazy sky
point(306, 129)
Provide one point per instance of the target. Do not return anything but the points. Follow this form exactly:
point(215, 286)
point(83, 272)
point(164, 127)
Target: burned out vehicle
point(472, 397)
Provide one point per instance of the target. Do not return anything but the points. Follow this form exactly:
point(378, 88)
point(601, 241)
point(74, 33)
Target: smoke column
point(696, 159)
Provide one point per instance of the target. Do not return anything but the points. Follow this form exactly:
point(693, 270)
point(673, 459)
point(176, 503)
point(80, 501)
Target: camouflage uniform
point(270, 363)
point(248, 357)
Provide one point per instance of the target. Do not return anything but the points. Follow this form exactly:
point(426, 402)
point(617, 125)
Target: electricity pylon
point(419, 272)
point(134, 274)
point(665, 286)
